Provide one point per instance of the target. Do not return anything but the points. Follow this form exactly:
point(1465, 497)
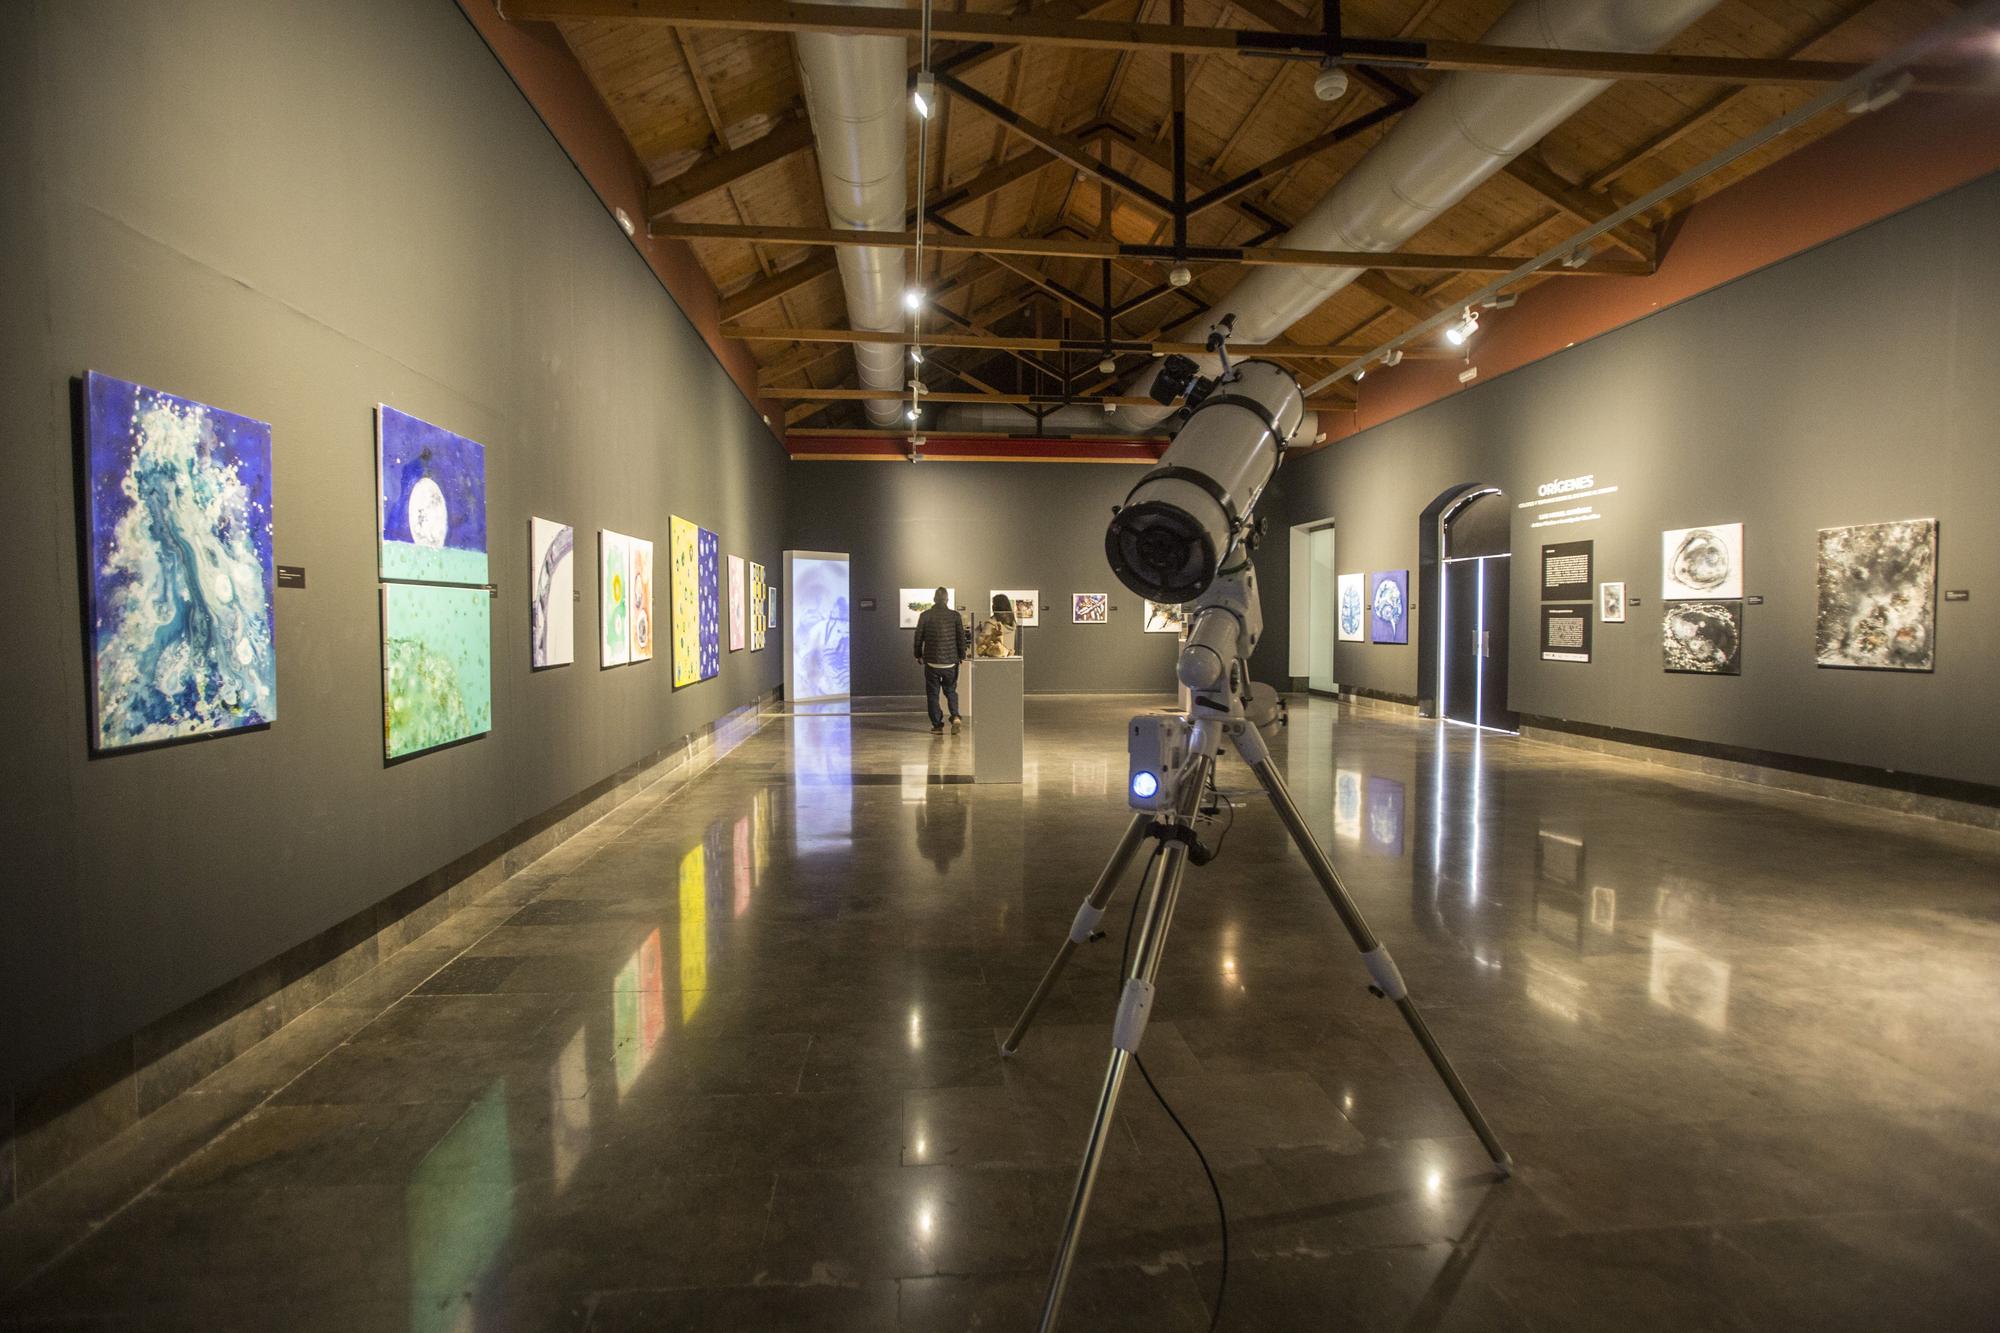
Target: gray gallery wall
point(294, 210)
point(977, 527)
point(1856, 383)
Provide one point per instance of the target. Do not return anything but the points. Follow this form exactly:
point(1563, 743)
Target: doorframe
point(1302, 535)
point(1432, 526)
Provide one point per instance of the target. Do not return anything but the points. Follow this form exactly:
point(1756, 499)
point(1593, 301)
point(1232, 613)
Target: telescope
point(1186, 535)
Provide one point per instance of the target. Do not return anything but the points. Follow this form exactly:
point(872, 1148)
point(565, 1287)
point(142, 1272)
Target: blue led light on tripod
point(1144, 785)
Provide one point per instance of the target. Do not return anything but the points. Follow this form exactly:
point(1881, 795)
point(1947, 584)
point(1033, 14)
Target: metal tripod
point(1174, 832)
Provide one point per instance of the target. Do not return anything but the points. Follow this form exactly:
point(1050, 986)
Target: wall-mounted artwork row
point(1090, 608)
point(1352, 600)
point(1389, 606)
point(816, 663)
point(1878, 596)
point(760, 622)
point(181, 575)
point(1705, 638)
point(735, 603)
point(1027, 604)
point(1702, 564)
point(614, 598)
point(437, 617)
point(911, 603)
point(551, 593)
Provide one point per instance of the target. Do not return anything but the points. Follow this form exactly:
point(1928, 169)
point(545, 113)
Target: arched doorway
point(1464, 546)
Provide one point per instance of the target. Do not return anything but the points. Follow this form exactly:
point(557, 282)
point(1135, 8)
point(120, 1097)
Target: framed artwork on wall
point(1164, 619)
point(1090, 608)
point(1352, 604)
point(1027, 604)
point(614, 598)
point(1389, 606)
point(180, 574)
point(684, 545)
point(708, 547)
point(1878, 596)
point(911, 603)
point(1611, 603)
point(1702, 564)
point(641, 612)
point(735, 603)
point(1703, 638)
point(551, 593)
point(437, 615)
point(760, 620)
point(437, 666)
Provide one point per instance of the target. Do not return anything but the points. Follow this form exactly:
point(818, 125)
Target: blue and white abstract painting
point(432, 501)
point(1389, 606)
point(710, 550)
point(181, 576)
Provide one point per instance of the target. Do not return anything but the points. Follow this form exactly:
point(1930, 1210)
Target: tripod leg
point(1133, 1006)
point(1087, 917)
point(1381, 967)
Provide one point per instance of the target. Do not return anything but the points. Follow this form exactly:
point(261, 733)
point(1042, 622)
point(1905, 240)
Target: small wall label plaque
point(291, 576)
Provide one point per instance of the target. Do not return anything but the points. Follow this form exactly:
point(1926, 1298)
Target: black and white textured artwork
point(1703, 637)
point(1878, 596)
point(1700, 563)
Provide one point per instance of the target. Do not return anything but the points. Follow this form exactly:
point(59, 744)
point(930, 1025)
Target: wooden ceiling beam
point(807, 393)
point(1036, 29)
point(726, 168)
point(1265, 256)
point(1087, 346)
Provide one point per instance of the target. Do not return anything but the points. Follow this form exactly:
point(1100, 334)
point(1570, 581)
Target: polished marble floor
point(727, 1061)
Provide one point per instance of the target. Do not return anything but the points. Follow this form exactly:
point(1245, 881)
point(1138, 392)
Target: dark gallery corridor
point(727, 1060)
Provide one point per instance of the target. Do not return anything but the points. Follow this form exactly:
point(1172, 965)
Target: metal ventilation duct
point(854, 93)
point(1462, 131)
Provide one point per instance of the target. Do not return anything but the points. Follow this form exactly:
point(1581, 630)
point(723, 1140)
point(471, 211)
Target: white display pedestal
point(996, 733)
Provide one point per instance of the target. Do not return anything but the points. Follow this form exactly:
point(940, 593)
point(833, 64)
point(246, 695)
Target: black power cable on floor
point(1221, 1210)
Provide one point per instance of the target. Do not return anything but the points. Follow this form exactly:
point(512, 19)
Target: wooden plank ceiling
point(701, 105)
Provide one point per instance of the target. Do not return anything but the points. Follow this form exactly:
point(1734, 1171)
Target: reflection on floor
point(728, 1061)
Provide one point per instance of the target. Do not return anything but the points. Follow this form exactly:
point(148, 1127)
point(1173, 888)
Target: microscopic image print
point(1702, 562)
point(181, 575)
point(1703, 637)
point(684, 553)
point(1389, 606)
point(552, 579)
point(1090, 608)
point(1353, 605)
point(1878, 596)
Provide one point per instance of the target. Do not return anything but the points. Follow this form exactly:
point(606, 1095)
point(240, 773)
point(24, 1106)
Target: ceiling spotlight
point(1501, 302)
point(913, 299)
point(1468, 324)
point(924, 96)
point(1331, 83)
point(1393, 357)
point(1178, 276)
point(1578, 257)
point(624, 221)
point(910, 413)
point(1107, 365)
point(916, 355)
point(1360, 375)
point(1878, 95)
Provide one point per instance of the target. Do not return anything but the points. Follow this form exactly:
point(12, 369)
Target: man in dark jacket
point(942, 642)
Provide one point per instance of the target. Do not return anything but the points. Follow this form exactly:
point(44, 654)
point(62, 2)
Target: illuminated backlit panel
point(694, 930)
point(816, 665)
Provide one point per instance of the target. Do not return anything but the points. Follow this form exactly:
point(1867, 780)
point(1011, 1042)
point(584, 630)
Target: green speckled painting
point(437, 666)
